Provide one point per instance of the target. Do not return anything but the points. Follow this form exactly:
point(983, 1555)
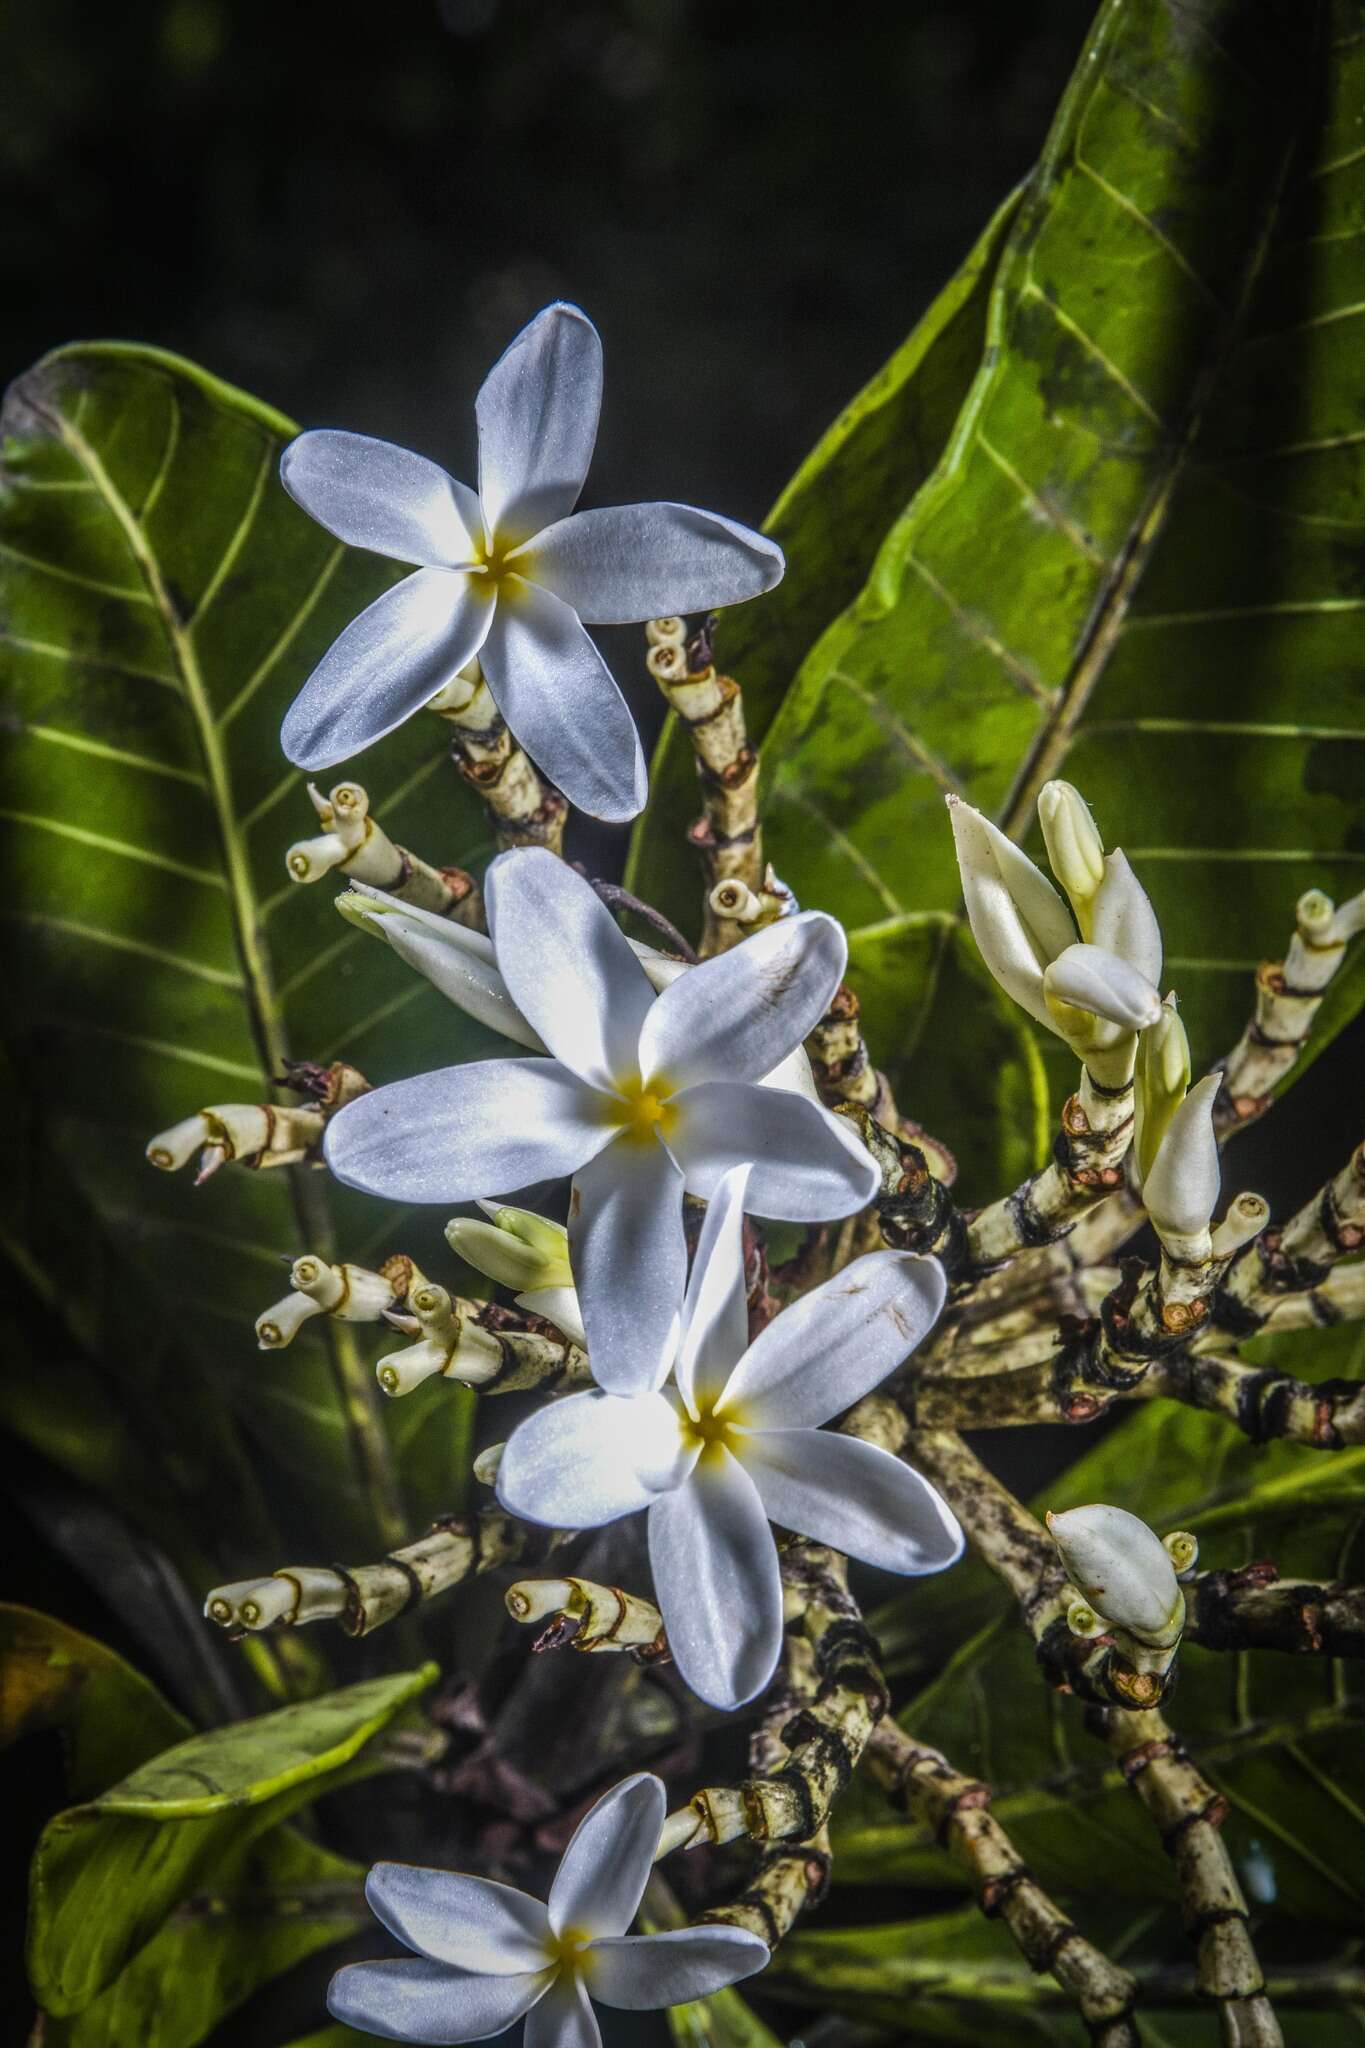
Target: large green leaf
point(162, 601)
point(830, 520)
point(1138, 559)
point(1278, 1735)
point(111, 1718)
point(107, 1874)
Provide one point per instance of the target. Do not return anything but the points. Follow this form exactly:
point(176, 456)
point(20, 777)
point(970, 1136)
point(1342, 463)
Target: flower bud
point(1180, 1190)
point(1160, 1081)
point(1122, 1570)
point(1089, 979)
point(1018, 920)
point(526, 1252)
point(458, 962)
point(1075, 850)
point(487, 1463)
point(1123, 921)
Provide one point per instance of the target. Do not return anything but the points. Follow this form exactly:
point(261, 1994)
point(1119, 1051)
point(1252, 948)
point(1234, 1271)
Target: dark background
point(351, 209)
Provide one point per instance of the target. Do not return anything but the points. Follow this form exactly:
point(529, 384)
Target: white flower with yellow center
point(739, 1442)
point(487, 1955)
point(645, 1096)
point(509, 574)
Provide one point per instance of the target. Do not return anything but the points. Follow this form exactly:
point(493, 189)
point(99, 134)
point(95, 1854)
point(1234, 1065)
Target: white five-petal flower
point(509, 574)
point(740, 1441)
point(485, 1954)
point(645, 1096)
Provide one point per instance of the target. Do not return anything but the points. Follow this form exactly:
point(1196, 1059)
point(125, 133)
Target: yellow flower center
point(711, 1433)
point(644, 1112)
point(570, 1949)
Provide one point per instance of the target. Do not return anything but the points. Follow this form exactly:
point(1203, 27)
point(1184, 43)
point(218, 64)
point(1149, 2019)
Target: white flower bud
point(500, 1255)
point(1018, 920)
point(1123, 921)
point(1123, 1571)
point(1090, 979)
point(1075, 850)
point(1159, 1083)
point(487, 1463)
point(280, 1324)
point(558, 1305)
point(456, 961)
point(1180, 1191)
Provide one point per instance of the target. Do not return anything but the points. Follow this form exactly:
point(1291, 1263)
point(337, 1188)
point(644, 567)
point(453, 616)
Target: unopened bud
point(487, 1463)
point(1123, 921)
point(1122, 1570)
point(1017, 918)
point(1075, 850)
point(1180, 1190)
point(1097, 983)
point(517, 1248)
point(456, 961)
point(1160, 1082)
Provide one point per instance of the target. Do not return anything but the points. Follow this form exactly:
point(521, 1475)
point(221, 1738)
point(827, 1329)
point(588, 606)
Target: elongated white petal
point(537, 413)
point(1092, 979)
point(808, 1164)
point(1075, 850)
point(451, 1135)
point(568, 966)
point(386, 665)
point(735, 1017)
point(1018, 920)
point(715, 1332)
point(468, 1921)
point(458, 962)
point(831, 1346)
point(629, 1258)
point(1181, 1190)
point(641, 1972)
point(564, 2017)
point(373, 495)
point(717, 1582)
point(630, 562)
point(414, 2000)
point(1120, 1565)
point(1123, 920)
point(604, 1870)
point(854, 1496)
point(561, 701)
point(591, 1458)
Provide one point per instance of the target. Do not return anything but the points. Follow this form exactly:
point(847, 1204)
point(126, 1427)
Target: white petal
point(568, 966)
point(854, 1496)
point(629, 1257)
point(808, 1164)
point(564, 2017)
point(1121, 1566)
point(642, 1972)
point(1095, 980)
point(591, 1458)
point(537, 414)
point(604, 1870)
point(452, 1135)
point(1018, 920)
point(716, 1311)
point(630, 562)
point(735, 1017)
point(1181, 1190)
point(458, 962)
point(717, 1582)
point(561, 701)
point(558, 1305)
point(376, 496)
point(831, 1346)
point(1123, 920)
point(468, 1921)
point(386, 665)
point(429, 2002)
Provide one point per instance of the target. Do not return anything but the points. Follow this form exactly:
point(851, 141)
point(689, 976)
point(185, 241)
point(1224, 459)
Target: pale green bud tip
point(521, 1250)
point(1074, 847)
point(1120, 1568)
point(487, 1463)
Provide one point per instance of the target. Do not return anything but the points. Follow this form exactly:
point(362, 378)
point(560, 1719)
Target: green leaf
point(1137, 561)
point(163, 601)
point(830, 520)
point(111, 1718)
point(268, 1905)
point(724, 2020)
point(1277, 1735)
point(107, 1874)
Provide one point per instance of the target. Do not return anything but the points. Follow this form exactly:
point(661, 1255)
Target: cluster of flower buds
point(1090, 976)
point(351, 1294)
point(526, 1252)
point(1125, 1581)
point(449, 1342)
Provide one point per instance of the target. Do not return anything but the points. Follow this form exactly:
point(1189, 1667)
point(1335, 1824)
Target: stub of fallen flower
point(353, 842)
point(353, 1294)
point(253, 1134)
point(588, 1616)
